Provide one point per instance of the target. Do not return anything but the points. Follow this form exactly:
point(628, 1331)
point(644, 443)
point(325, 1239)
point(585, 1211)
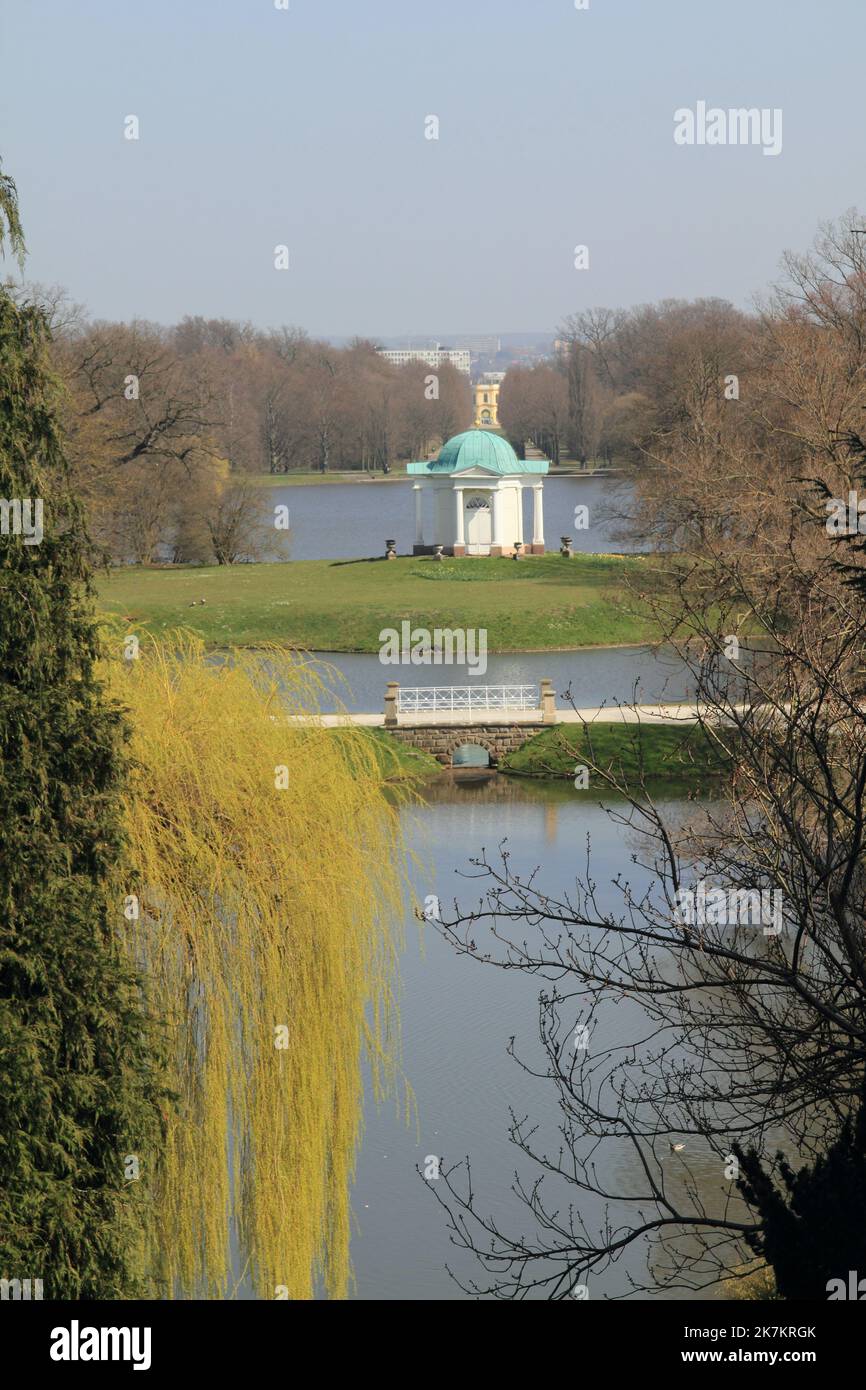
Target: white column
point(459, 538)
point(537, 516)
point(419, 523)
point(496, 507)
point(520, 512)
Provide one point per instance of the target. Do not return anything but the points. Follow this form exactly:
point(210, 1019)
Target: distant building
point(480, 345)
point(476, 488)
point(432, 357)
point(486, 404)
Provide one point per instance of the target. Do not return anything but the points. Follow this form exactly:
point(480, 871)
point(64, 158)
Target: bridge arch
point(472, 740)
point(443, 740)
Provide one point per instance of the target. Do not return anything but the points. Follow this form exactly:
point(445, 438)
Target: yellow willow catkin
point(270, 873)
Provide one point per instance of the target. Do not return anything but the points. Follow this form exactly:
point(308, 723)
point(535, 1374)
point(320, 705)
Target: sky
point(306, 127)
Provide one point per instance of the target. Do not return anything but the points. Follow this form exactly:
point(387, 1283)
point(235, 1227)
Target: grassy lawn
point(665, 752)
point(540, 603)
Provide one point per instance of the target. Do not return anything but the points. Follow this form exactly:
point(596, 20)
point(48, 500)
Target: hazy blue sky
point(306, 127)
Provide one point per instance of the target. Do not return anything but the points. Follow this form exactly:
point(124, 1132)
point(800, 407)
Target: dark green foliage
point(813, 1225)
point(76, 1059)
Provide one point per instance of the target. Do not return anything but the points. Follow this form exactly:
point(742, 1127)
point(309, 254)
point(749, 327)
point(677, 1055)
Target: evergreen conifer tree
point(77, 1058)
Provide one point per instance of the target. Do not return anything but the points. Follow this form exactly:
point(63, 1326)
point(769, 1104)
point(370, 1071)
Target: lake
point(594, 675)
point(458, 1016)
point(342, 521)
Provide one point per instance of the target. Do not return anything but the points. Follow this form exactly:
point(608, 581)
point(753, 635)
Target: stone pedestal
point(548, 705)
point(391, 704)
point(419, 525)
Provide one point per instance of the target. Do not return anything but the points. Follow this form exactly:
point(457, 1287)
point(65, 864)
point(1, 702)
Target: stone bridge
point(441, 719)
point(442, 742)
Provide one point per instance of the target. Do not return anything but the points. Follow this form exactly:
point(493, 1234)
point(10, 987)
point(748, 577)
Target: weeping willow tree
point(264, 884)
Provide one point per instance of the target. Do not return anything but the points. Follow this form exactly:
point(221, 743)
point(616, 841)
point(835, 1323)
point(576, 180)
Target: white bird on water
point(676, 1148)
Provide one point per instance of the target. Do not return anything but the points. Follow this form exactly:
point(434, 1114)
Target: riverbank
point(661, 754)
point(658, 752)
point(398, 474)
point(542, 603)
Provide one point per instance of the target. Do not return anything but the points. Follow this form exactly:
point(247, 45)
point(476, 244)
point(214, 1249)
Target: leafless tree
point(753, 1051)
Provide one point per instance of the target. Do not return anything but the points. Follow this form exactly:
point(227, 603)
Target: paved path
point(602, 714)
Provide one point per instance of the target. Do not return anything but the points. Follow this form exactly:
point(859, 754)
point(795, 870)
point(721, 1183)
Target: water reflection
point(458, 1016)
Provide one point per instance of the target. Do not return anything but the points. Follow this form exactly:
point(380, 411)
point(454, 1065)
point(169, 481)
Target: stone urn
point(438, 552)
point(390, 550)
point(518, 549)
point(565, 547)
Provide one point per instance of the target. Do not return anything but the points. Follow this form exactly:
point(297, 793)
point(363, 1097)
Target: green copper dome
point(478, 449)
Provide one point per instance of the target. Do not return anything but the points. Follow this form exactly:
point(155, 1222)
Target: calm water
point(458, 1016)
point(341, 521)
point(595, 676)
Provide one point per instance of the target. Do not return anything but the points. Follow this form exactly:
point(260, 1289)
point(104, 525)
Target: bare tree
point(753, 1053)
point(534, 405)
point(139, 421)
point(754, 1041)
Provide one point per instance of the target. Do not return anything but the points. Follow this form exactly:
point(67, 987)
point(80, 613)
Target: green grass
point(541, 603)
point(665, 752)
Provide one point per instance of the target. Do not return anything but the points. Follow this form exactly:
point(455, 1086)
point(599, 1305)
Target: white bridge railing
point(424, 699)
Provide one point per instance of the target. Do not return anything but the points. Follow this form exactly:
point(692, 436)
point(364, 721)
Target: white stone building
point(475, 489)
point(432, 357)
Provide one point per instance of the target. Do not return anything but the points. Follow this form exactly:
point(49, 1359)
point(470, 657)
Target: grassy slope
point(540, 603)
point(665, 752)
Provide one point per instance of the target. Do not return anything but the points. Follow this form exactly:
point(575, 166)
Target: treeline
point(166, 426)
point(784, 380)
point(621, 376)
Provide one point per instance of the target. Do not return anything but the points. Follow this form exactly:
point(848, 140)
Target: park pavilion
point(477, 483)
